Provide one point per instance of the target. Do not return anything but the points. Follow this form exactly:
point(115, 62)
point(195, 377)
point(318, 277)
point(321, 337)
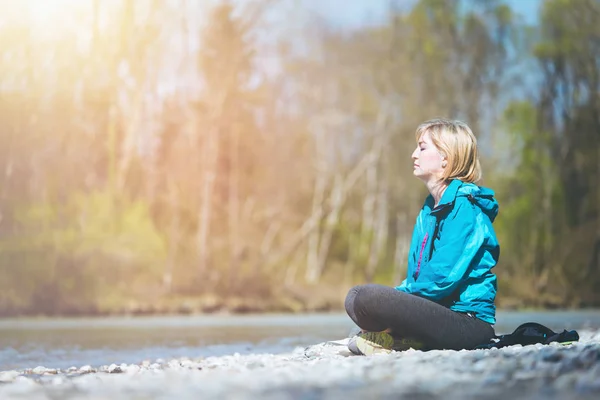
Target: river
point(62, 343)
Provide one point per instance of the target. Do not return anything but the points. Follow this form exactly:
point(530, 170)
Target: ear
point(444, 162)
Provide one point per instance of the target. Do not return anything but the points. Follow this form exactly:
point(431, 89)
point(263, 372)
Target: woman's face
point(428, 162)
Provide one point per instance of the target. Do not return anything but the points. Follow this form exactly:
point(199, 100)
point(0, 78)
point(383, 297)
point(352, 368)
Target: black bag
point(531, 333)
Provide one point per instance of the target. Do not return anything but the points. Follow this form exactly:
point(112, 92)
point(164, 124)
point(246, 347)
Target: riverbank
point(326, 371)
point(323, 297)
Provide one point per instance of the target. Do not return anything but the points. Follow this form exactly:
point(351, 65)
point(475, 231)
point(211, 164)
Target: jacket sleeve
point(403, 286)
point(459, 246)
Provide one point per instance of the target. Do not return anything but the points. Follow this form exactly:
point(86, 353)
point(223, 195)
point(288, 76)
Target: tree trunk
point(209, 156)
point(337, 201)
point(312, 256)
point(368, 218)
point(233, 208)
point(380, 234)
point(338, 196)
point(174, 237)
point(402, 248)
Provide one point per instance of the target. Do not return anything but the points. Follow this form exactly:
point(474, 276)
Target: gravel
point(329, 371)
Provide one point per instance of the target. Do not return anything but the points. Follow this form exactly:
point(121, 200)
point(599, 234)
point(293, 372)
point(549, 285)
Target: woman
point(447, 298)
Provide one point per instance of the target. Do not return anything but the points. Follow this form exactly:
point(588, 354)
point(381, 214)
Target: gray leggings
point(376, 308)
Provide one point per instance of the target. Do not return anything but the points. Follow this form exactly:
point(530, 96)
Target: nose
point(415, 154)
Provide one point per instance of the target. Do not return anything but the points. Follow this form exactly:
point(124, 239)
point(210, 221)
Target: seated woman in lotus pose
point(447, 298)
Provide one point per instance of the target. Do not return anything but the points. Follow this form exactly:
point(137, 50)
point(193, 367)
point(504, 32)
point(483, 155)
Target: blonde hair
point(458, 144)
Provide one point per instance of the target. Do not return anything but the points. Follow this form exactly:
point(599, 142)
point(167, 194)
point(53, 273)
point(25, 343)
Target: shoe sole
point(368, 348)
point(407, 344)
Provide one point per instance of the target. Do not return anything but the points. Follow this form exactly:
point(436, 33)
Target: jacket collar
point(447, 198)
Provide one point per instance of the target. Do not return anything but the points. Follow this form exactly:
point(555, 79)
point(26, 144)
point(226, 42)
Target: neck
point(437, 189)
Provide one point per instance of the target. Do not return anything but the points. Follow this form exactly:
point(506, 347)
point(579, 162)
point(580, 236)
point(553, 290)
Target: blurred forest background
point(180, 156)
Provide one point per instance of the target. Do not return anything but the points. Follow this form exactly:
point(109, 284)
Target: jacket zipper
point(421, 255)
point(424, 243)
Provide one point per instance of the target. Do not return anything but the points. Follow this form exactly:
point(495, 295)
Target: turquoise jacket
point(453, 250)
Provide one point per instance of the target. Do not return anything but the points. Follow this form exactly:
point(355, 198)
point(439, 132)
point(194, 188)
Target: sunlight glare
point(51, 10)
point(44, 15)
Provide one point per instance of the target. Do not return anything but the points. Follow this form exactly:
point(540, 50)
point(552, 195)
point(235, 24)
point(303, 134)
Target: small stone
point(495, 378)
point(255, 365)
point(588, 386)
point(38, 370)
point(552, 356)
point(565, 382)
point(86, 369)
point(188, 364)
point(24, 379)
point(8, 376)
point(114, 369)
point(57, 380)
point(131, 369)
point(525, 375)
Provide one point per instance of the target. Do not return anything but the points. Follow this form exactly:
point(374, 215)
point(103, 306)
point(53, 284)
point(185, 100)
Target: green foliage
point(73, 255)
point(114, 193)
point(548, 224)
